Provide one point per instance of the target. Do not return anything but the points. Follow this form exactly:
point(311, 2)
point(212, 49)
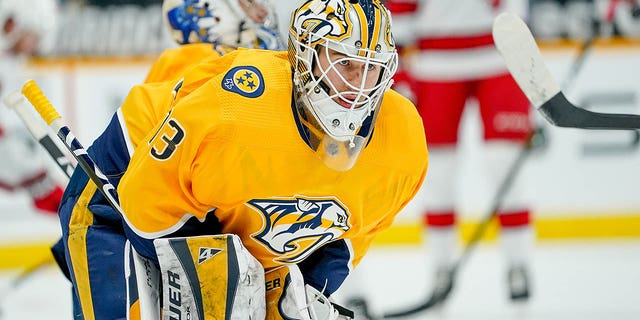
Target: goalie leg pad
point(210, 277)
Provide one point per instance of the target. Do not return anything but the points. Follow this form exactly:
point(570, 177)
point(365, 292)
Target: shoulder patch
point(246, 81)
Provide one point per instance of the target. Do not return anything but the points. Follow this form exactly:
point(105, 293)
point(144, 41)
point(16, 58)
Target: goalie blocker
point(215, 277)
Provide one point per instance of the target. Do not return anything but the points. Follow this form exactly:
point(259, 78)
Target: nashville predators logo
point(294, 228)
point(246, 81)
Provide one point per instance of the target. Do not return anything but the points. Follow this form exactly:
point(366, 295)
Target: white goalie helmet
point(232, 23)
point(19, 17)
point(343, 57)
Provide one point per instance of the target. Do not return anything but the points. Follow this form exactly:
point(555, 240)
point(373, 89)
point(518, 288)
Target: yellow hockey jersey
point(232, 146)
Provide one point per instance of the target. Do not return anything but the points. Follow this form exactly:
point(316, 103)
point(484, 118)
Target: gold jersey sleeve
point(233, 146)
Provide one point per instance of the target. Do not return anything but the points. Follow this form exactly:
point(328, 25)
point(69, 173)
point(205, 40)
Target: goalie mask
point(343, 58)
point(231, 23)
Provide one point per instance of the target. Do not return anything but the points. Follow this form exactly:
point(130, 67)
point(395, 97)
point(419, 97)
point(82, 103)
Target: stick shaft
point(50, 115)
point(498, 200)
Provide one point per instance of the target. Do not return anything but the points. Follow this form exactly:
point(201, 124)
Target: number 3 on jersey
point(166, 140)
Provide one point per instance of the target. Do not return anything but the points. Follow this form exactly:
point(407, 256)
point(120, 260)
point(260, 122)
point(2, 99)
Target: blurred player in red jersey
point(456, 61)
point(23, 25)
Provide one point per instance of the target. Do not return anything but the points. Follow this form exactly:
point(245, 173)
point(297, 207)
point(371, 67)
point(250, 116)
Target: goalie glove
point(288, 297)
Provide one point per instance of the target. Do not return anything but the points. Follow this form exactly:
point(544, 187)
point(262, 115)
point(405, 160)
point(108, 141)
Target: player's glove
point(288, 297)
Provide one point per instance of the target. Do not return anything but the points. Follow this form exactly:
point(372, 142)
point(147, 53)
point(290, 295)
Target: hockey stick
point(532, 142)
point(535, 140)
point(46, 110)
point(524, 60)
point(587, 44)
point(578, 61)
point(38, 130)
point(49, 114)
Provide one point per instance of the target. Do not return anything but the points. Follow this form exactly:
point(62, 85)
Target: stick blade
point(522, 56)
